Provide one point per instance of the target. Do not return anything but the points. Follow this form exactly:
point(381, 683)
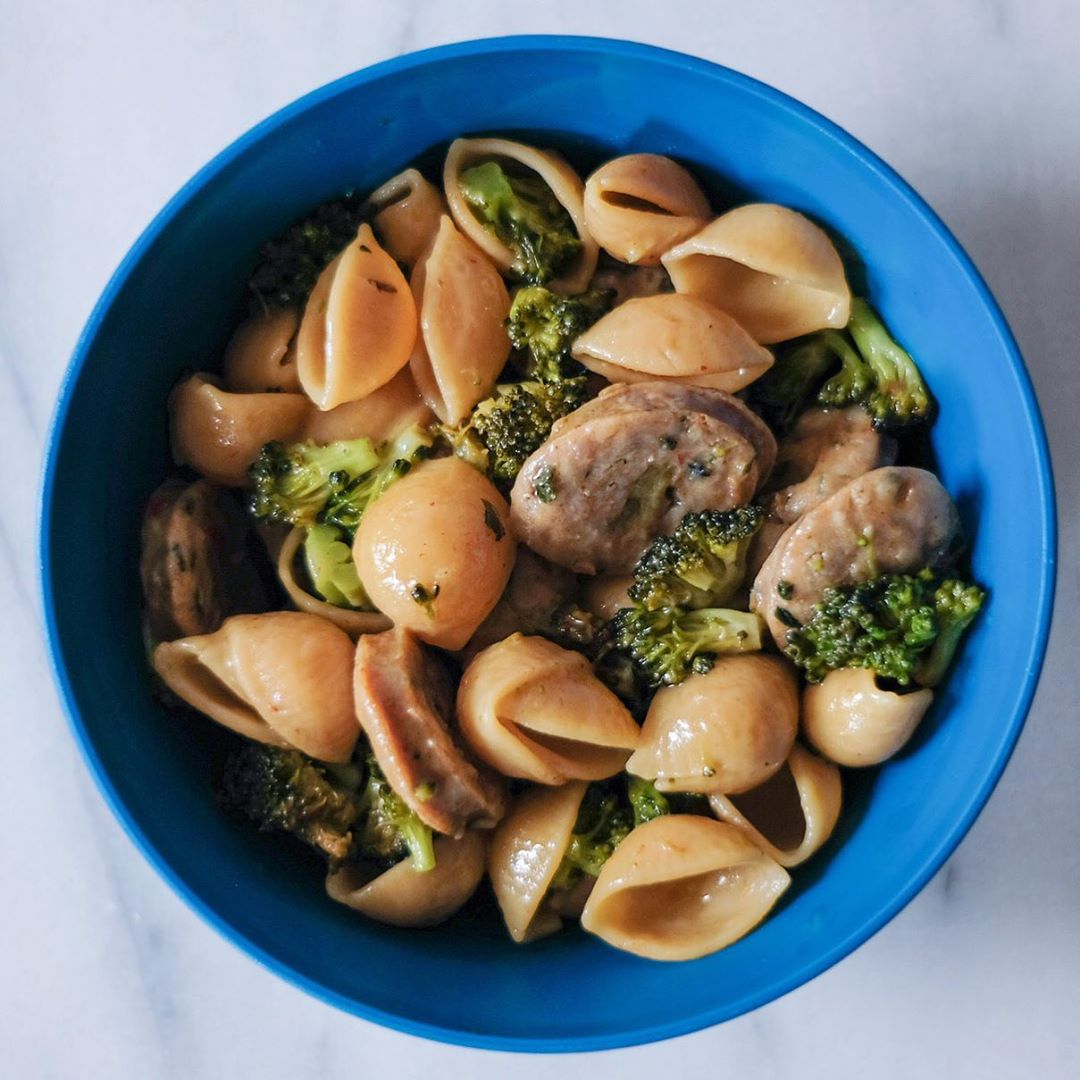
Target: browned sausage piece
point(403, 701)
point(890, 520)
point(593, 496)
point(197, 564)
point(826, 449)
point(663, 394)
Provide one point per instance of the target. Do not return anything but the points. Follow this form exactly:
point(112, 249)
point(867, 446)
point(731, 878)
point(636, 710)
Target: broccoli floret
point(504, 429)
point(701, 564)
point(604, 821)
point(294, 481)
point(346, 507)
point(780, 394)
point(303, 483)
point(890, 625)
point(522, 211)
point(876, 372)
point(286, 791)
point(670, 643)
point(646, 801)
point(956, 603)
point(289, 266)
point(390, 830)
point(331, 569)
point(543, 325)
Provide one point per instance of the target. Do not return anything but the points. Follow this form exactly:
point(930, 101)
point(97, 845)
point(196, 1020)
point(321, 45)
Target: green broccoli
point(543, 325)
point(877, 372)
point(520, 210)
point(901, 626)
point(504, 429)
point(390, 830)
point(701, 564)
point(330, 567)
point(289, 266)
point(294, 481)
point(302, 483)
point(956, 603)
point(286, 791)
point(647, 802)
point(604, 821)
point(670, 643)
point(780, 394)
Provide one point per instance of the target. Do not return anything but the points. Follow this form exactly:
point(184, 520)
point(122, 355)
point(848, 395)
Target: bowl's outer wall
point(169, 308)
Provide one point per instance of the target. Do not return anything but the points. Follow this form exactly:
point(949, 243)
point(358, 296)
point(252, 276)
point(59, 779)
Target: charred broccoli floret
point(543, 325)
point(901, 626)
point(303, 483)
point(289, 266)
point(780, 394)
point(701, 564)
point(286, 791)
point(854, 381)
point(520, 210)
point(604, 821)
point(671, 643)
point(504, 429)
point(390, 830)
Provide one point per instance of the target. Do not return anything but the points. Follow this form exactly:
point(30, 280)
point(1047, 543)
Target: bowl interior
point(170, 308)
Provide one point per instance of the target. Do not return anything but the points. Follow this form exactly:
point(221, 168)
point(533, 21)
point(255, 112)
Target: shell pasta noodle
point(551, 531)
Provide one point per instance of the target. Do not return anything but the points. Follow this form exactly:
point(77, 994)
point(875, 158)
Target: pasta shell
point(672, 336)
point(378, 416)
point(640, 205)
point(853, 721)
point(354, 623)
point(793, 813)
point(721, 733)
point(773, 270)
point(553, 169)
point(406, 212)
point(682, 886)
point(526, 851)
point(283, 678)
point(220, 434)
point(536, 711)
point(359, 325)
point(463, 343)
point(260, 356)
point(434, 551)
point(403, 896)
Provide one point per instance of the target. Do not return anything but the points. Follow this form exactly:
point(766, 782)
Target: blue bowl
point(169, 307)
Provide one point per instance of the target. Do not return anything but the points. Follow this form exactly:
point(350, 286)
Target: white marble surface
point(105, 109)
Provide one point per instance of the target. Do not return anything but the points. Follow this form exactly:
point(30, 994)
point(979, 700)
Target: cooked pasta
point(359, 325)
point(853, 721)
point(536, 711)
point(462, 345)
point(773, 270)
point(639, 206)
point(674, 337)
point(484, 568)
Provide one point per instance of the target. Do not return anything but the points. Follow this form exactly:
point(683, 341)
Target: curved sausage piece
point(660, 394)
point(890, 520)
point(826, 449)
point(197, 564)
point(593, 496)
point(403, 701)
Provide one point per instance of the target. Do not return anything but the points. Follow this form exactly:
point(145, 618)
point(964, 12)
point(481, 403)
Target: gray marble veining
point(106, 110)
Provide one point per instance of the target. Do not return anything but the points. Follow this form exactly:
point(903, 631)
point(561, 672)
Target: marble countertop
point(106, 110)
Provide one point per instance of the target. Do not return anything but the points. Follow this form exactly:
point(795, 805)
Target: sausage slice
point(890, 520)
point(404, 700)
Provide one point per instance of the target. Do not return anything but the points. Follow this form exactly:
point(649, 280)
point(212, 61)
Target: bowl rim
point(627, 50)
